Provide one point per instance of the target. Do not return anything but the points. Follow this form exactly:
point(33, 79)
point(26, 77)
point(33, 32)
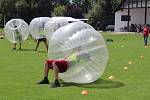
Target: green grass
point(1, 29)
point(21, 70)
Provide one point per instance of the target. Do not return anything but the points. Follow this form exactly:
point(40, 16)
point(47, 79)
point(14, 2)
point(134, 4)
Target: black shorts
point(42, 39)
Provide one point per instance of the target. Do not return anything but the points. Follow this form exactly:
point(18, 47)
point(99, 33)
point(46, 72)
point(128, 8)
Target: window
point(125, 18)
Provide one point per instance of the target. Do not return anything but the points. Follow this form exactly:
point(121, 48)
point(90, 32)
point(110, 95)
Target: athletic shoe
point(44, 81)
point(55, 84)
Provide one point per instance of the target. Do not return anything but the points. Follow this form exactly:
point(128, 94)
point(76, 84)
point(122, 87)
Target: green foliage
point(60, 2)
point(25, 9)
point(73, 11)
point(44, 8)
point(85, 5)
point(59, 10)
point(94, 15)
point(22, 4)
point(102, 12)
point(29, 9)
point(77, 2)
point(1, 20)
point(8, 7)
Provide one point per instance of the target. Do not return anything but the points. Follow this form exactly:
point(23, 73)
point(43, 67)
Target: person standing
point(41, 38)
point(145, 35)
point(18, 37)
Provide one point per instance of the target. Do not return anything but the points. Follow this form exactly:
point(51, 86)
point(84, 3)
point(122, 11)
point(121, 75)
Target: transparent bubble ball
point(16, 30)
point(37, 25)
point(91, 65)
point(52, 25)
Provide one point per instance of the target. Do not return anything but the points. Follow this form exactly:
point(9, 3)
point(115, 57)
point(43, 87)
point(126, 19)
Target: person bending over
point(61, 66)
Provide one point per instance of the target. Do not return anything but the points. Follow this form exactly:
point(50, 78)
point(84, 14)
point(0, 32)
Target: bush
point(1, 21)
point(59, 10)
point(102, 12)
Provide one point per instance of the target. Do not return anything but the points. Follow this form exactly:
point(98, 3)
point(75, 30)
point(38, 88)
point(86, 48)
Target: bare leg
point(14, 45)
point(19, 46)
point(56, 70)
point(37, 45)
point(46, 44)
point(46, 70)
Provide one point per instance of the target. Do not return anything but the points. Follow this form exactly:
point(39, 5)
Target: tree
point(25, 9)
point(77, 2)
point(1, 21)
point(60, 2)
point(85, 5)
point(44, 7)
point(73, 11)
point(8, 10)
point(28, 9)
point(102, 12)
point(59, 10)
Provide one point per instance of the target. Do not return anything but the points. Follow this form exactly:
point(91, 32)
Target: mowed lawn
point(1, 29)
point(21, 70)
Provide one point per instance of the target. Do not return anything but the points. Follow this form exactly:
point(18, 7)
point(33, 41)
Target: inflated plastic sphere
point(16, 30)
point(37, 25)
point(79, 39)
point(52, 25)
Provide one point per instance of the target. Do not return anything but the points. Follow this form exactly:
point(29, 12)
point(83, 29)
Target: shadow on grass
point(29, 50)
point(26, 50)
point(101, 84)
point(22, 49)
point(42, 51)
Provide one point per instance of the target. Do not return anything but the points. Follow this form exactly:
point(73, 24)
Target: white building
point(132, 12)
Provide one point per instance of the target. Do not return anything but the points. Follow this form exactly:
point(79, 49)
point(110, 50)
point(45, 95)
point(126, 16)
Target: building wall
point(118, 23)
point(137, 17)
point(148, 16)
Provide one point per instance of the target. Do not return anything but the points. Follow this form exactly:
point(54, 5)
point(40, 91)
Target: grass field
point(1, 29)
point(21, 70)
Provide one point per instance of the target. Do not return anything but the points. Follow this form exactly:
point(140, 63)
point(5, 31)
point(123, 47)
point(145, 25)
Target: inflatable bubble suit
point(52, 25)
point(37, 25)
point(16, 30)
point(89, 43)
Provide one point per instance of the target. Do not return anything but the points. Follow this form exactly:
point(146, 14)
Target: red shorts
point(62, 65)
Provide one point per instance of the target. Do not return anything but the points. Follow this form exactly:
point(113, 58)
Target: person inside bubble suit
point(62, 65)
point(41, 38)
point(18, 37)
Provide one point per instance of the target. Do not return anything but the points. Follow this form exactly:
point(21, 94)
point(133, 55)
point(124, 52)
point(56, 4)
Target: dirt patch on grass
point(1, 33)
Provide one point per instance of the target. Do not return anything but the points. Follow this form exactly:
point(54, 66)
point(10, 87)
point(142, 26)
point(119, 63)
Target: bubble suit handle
point(86, 51)
point(16, 30)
